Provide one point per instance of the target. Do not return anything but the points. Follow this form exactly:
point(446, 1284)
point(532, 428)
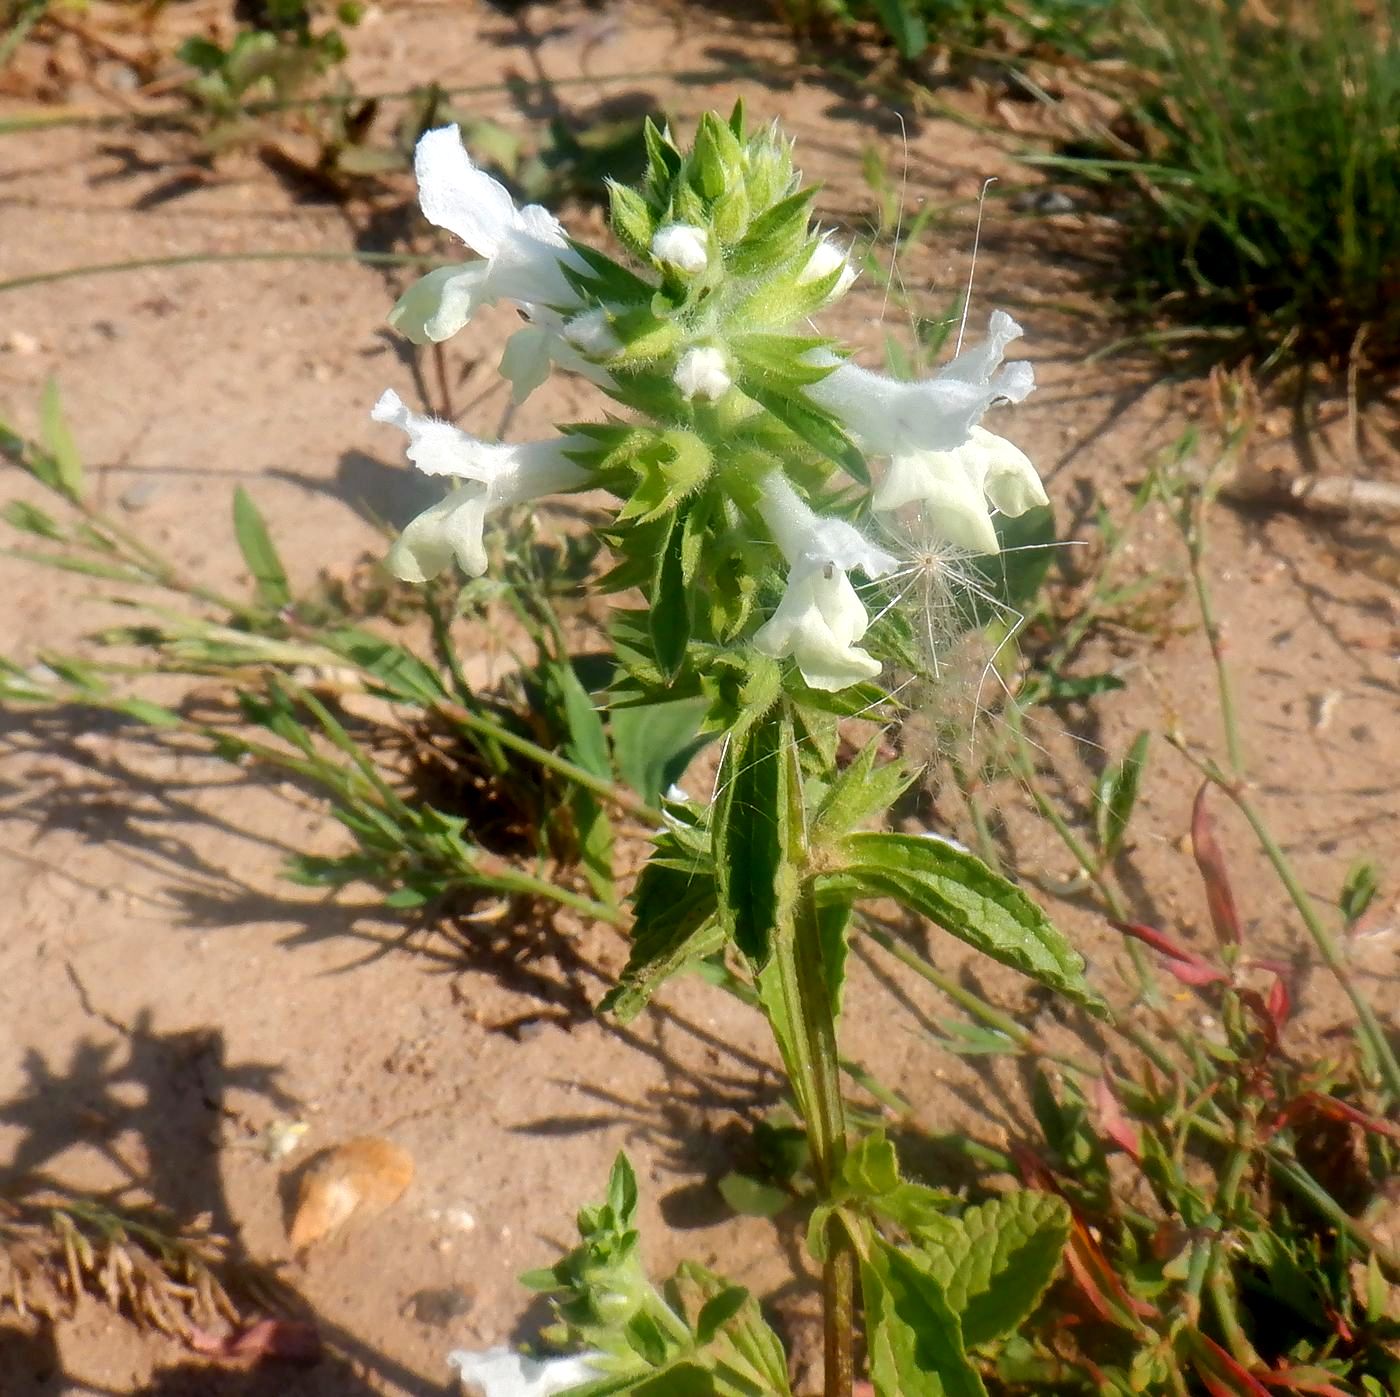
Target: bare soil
point(166, 996)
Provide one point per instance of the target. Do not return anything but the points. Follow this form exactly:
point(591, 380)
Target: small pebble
point(18, 342)
point(439, 1306)
point(136, 497)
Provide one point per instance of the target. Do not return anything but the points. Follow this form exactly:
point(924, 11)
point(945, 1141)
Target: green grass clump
point(1270, 173)
point(914, 26)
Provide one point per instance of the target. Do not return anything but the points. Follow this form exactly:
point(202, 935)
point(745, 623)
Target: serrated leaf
point(912, 1333)
point(997, 1259)
point(254, 542)
point(862, 790)
point(670, 602)
point(961, 894)
point(675, 925)
point(58, 442)
point(749, 815)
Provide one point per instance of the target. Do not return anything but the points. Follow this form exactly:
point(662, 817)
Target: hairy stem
point(808, 1000)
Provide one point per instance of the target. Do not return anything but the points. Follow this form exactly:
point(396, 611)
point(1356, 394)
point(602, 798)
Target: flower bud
point(684, 246)
point(702, 374)
point(592, 333)
point(826, 257)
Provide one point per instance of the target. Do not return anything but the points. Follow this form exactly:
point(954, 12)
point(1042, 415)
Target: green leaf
point(1117, 793)
point(269, 579)
point(997, 1259)
point(749, 814)
point(31, 520)
point(670, 603)
point(631, 219)
point(675, 925)
point(398, 671)
point(833, 917)
point(904, 24)
point(862, 790)
point(588, 741)
point(774, 235)
point(780, 357)
point(963, 896)
point(912, 1333)
point(718, 1310)
point(622, 1191)
point(870, 1167)
point(809, 422)
point(58, 441)
point(653, 743)
point(752, 1197)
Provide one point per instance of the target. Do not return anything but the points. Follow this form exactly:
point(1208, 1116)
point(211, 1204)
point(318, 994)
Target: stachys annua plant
point(773, 502)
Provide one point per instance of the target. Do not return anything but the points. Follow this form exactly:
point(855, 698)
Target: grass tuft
point(1262, 152)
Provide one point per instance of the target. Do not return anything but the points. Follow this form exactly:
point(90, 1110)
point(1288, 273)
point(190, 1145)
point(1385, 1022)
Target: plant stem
point(1196, 552)
point(807, 997)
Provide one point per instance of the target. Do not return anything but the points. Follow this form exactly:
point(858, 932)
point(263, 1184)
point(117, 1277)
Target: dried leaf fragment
point(366, 1174)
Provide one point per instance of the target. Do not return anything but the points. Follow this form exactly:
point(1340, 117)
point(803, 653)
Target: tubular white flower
point(890, 418)
point(959, 484)
point(826, 257)
point(501, 1372)
point(702, 373)
point(491, 476)
point(535, 348)
point(820, 616)
point(524, 250)
point(684, 246)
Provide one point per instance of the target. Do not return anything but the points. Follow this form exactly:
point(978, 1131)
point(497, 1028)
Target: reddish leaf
point(1336, 1110)
point(1279, 1004)
point(289, 1339)
point(1211, 861)
point(1298, 1379)
point(1113, 1122)
point(1096, 1278)
point(1222, 1375)
point(1187, 965)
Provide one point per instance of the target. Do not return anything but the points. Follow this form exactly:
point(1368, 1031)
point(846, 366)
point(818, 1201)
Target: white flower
point(826, 258)
point(524, 250)
point(683, 245)
point(535, 348)
point(491, 476)
point(501, 1372)
point(889, 418)
point(959, 484)
point(820, 617)
point(701, 373)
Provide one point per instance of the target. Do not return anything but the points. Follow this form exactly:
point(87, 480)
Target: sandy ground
point(165, 995)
